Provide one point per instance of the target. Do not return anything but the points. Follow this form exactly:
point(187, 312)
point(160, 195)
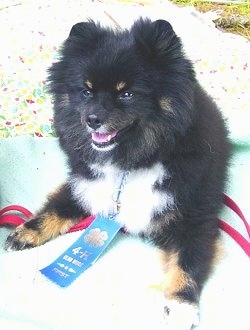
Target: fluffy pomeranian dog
point(129, 102)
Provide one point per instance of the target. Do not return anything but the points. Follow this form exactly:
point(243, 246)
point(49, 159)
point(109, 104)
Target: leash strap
point(16, 215)
point(13, 219)
point(242, 241)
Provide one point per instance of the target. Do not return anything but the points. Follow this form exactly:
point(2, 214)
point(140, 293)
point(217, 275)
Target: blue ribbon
point(84, 252)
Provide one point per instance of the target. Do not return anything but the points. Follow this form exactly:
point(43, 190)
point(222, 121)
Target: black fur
point(150, 61)
point(190, 139)
point(161, 114)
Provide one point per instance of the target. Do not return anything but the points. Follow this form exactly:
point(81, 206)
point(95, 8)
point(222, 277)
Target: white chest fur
point(138, 199)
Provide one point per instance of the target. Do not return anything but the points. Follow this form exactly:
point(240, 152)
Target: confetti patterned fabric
point(33, 31)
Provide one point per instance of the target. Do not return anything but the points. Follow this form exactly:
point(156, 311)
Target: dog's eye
point(126, 95)
point(87, 93)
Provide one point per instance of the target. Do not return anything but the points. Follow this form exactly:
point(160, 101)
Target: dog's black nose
point(94, 122)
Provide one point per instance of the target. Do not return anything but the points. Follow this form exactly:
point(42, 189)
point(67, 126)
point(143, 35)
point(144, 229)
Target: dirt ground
point(235, 15)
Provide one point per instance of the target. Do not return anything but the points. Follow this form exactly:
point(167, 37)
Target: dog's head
point(121, 93)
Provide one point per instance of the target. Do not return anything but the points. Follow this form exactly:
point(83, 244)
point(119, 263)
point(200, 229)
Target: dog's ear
point(84, 29)
point(156, 40)
point(86, 33)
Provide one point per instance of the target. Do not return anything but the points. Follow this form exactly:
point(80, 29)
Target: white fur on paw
point(180, 315)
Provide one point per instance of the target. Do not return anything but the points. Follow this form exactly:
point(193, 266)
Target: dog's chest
point(138, 198)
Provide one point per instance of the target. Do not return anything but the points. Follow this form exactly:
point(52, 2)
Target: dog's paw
point(21, 238)
point(180, 315)
point(37, 231)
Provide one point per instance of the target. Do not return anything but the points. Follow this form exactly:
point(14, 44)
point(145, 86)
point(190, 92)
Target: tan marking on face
point(120, 85)
point(175, 279)
point(165, 104)
point(89, 84)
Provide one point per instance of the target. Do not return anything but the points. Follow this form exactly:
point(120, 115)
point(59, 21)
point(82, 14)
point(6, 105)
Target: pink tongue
point(103, 137)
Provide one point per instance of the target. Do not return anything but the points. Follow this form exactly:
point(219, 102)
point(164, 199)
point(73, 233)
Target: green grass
point(229, 10)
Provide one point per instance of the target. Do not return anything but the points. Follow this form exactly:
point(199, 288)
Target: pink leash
point(12, 219)
point(15, 220)
point(242, 241)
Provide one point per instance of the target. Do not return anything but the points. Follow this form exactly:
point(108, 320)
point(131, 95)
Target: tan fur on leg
point(39, 230)
point(175, 278)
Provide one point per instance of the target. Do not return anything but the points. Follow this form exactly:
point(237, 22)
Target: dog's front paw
point(180, 315)
point(37, 231)
point(21, 238)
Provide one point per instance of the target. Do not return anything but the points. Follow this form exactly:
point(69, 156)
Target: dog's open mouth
point(103, 140)
point(107, 141)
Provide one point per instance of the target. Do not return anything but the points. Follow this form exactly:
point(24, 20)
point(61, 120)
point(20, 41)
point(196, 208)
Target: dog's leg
point(55, 218)
point(185, 270)
point(181, 293)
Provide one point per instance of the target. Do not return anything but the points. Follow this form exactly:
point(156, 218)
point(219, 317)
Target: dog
point(128, 102)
